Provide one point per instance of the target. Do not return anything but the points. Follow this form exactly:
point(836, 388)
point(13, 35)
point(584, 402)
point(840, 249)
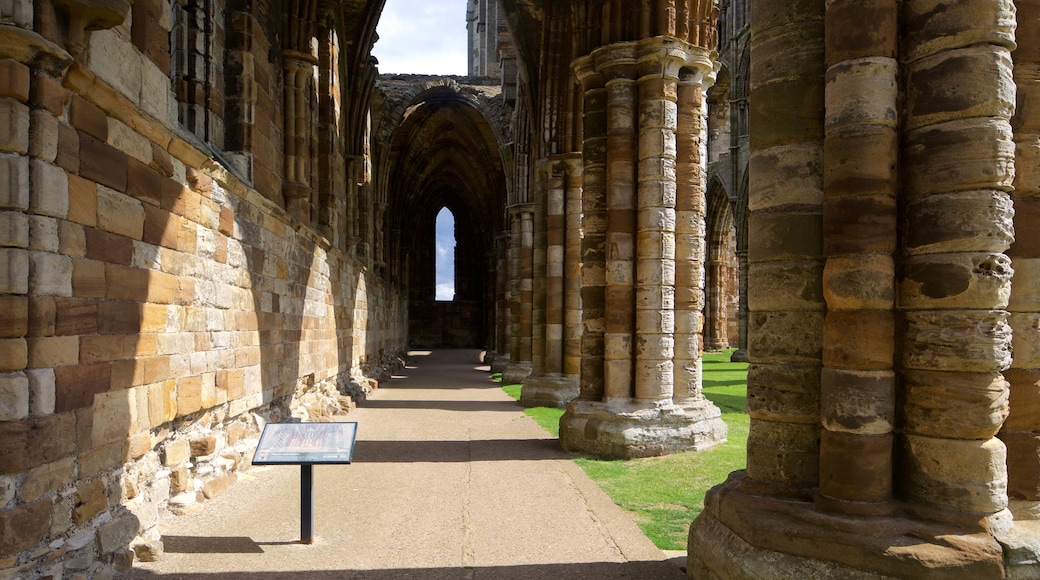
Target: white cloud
point(422, 37)
point(446, 291)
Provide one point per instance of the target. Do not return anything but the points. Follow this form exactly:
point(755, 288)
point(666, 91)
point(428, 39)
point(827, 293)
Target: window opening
point(445, 243)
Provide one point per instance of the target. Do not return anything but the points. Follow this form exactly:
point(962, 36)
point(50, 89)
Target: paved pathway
point(450, 480)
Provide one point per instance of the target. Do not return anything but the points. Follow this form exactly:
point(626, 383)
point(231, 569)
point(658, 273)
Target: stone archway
point(720, 271)
point(443, 152)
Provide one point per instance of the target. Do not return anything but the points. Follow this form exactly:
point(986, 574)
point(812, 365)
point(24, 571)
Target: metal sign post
point(306, 445)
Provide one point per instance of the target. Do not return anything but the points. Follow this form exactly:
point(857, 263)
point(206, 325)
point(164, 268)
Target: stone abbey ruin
point(216, 212)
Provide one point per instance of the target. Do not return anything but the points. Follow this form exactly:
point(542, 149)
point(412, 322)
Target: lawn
point(667, 492)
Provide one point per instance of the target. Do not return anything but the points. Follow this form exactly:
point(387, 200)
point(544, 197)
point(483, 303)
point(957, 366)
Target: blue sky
point(445, 255)
point(422, 37)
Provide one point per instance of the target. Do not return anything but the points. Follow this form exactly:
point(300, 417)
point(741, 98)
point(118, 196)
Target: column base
point(516, 372)
point(743, 535)
point(739, 355)
point(627, 429)
point(551, 390)
point(500, 363)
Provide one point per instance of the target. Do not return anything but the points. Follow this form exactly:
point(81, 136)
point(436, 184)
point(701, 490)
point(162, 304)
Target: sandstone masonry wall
point(156, 309)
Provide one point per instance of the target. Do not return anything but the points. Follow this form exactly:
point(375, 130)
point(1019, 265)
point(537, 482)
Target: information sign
point(300, 443)
point(306, 445)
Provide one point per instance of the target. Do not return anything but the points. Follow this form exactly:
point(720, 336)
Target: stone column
point(500, 356)
point(296, 187)
point(690, 233)
point(741, 354)
point(637, 413)
point(549, 385)
point(716, 337)
point(858, 384)
point(594, 226)
point(572, 307)
point(523, 235)
point(954, 283)
point(1021, 431)
point(785, 242)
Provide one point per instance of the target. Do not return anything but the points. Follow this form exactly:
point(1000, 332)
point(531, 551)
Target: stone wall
point(156, 309)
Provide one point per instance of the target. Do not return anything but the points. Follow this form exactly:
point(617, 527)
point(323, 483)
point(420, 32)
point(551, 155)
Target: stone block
point(100, 162)
point(73, 239)
point(82, 201)
point(180, 480)
point(35, 441)
point(14, 229)
point(42, 312)
point(103, 459)
point(75, 386)
point(787, 175)
point(14, 80)
point(88, 118)
point(115, 416)
point(125, 139)
point(1024, 399)
point(50, 274)
point(975, 222)
point(67, 155)
point(13, 354)
point(965, 475)
point(41, 391)
point(53, 351)
point(119, 214)
point(14, 271)
point(856, 467)
point(43, 233)
point(786, 285)
point(14, 395)
point(115, 60)
point(139, 443)
point(1023, 450)
point(218, 485)
point(47, 93)
point(144, 182)
point(962, 155)
point(109, 248)
point(50, 189)
point(14, 127)
point(23, 527)
point(75, 317)
point(981, 87)
point(1025, 340)
point(203, 446)
point(953, 404)
point(47, 479)
point(130, 284)
point(961, 281)
point(14, 178)
point(88, 279)
point(156, 97)
point(162, 402)
point(785, 236)
point(957, 340)
point(784, 453)
point(786, 337)
point(176, 452)
point(117, 533)
point(14, 316)
point(43, 135)
point(871, 346)
point(119, 317)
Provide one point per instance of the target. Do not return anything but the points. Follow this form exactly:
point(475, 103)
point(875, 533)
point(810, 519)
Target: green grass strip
point(666, 493)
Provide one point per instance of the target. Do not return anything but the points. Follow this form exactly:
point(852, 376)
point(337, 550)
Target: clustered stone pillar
point(886, 402)
point(523, 240)
point(1021, 431)
point(552, 383)
point(632, 89)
